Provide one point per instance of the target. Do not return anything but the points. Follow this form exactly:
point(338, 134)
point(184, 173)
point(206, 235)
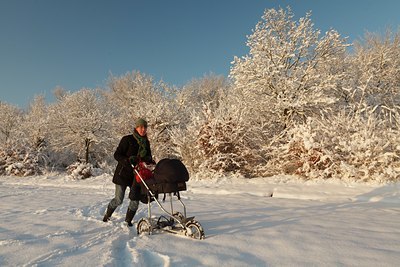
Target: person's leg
point(115, 202)
point(130, 213)
point(119, 196)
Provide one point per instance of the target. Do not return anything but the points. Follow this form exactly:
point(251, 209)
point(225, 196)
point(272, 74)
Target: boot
point(108, 214)
point(129, 217)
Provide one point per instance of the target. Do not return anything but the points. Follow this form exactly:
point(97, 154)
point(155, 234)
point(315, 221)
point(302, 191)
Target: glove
point(133, 160)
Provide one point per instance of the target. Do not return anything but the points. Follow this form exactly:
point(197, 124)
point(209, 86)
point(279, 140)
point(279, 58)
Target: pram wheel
point(144, 226)
point(194, 230)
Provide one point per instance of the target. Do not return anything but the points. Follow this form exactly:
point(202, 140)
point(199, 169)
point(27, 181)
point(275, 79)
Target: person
point(131, 150)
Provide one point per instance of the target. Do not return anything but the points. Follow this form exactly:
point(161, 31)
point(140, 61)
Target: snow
point(55, 220)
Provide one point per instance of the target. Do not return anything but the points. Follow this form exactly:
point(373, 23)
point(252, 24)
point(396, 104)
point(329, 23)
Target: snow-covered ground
point(56, 221)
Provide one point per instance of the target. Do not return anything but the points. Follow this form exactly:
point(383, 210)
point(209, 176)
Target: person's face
point(141, 130)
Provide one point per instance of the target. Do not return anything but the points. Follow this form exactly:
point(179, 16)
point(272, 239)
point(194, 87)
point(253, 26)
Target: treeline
point(298, 103)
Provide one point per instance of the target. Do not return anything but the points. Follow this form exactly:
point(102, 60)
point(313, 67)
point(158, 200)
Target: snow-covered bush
point(80, 170)
point(365, 146)
point(200, 102)
point(302, 151)
point(347, 145)
point(19, 159)
point(218, 142)
point(214, 142)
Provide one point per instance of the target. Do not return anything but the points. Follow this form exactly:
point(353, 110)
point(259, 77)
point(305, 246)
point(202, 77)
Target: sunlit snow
point(56, 221)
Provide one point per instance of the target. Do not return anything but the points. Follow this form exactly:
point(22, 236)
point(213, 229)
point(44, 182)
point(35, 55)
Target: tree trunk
point(87, 145)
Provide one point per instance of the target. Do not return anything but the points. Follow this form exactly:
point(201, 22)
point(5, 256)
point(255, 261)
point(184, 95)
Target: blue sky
point(79, 43)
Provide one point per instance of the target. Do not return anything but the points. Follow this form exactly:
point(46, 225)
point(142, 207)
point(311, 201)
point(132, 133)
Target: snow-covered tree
point(216, 140)
point(375, 71)
point(213, 140)
point(210, 136)
point(35, 126)
point(136, 95)
point(10, 121)
point(210, 89)
point(81, 124)
point(289, 72)
point(59, 92)
point(17, 156)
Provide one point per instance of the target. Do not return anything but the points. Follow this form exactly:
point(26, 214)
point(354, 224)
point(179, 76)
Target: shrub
point(21, 160)
point(79, 170)
point(348, 146)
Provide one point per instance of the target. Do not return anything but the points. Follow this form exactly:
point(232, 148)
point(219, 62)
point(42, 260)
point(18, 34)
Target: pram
point(169, 178)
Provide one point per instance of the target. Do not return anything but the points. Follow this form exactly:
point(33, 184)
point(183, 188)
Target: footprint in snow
point(124, 253)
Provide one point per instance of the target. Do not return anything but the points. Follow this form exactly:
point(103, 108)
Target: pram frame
point(185, 225)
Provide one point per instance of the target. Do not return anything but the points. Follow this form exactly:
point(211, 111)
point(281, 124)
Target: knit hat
point(140, 122)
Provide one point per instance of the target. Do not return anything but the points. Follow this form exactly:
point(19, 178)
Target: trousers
point(119, 198)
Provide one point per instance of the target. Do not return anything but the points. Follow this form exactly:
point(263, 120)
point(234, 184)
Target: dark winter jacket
point(128, 146)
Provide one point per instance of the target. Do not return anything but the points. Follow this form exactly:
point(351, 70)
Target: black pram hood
point(170, 176)
point(170, 171)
